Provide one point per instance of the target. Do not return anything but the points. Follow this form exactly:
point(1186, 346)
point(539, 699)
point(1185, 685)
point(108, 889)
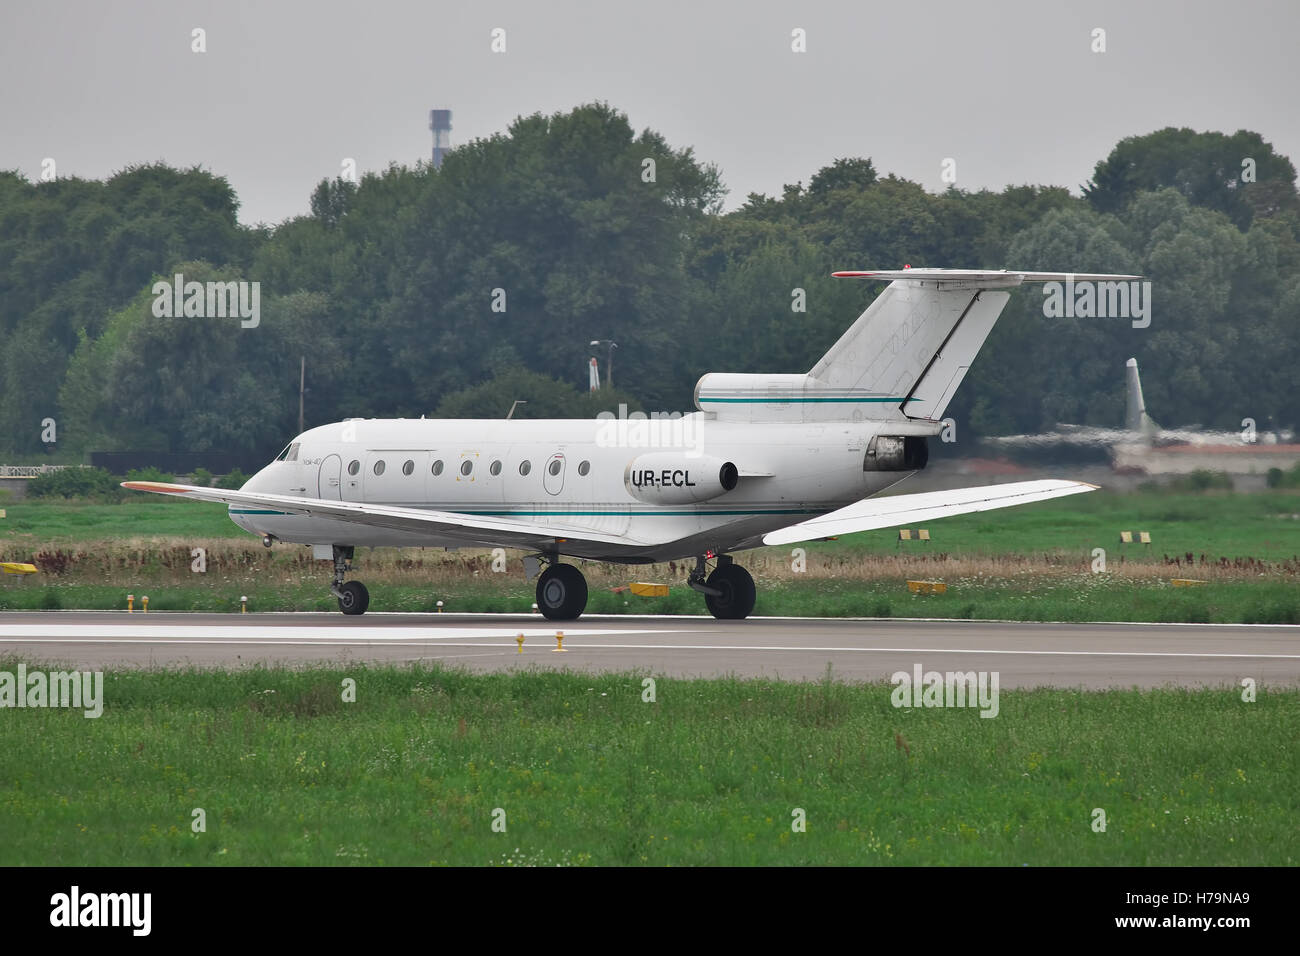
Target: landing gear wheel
point(561, 593)
point(737, 597)
point(353, 598)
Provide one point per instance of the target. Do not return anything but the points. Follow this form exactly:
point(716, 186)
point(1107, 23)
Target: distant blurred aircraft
point(1139, 429)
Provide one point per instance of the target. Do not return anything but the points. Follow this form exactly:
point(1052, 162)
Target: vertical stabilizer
point(1136, 418)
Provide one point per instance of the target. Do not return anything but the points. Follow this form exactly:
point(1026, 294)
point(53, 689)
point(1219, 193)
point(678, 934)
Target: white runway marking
point(458, 640)
point(182, 633)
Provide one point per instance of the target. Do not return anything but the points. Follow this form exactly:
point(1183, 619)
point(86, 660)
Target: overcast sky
point(287, 90)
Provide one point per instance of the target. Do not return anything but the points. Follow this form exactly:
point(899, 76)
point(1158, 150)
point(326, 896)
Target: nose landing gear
point(353, 596)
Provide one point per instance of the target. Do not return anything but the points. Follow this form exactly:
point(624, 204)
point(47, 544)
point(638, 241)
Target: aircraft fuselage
point(582, 473)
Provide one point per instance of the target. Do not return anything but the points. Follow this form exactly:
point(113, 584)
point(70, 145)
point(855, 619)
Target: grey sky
point(287, 90)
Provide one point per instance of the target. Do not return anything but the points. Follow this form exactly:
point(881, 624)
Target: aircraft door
point(553, 474)
point(328, 480)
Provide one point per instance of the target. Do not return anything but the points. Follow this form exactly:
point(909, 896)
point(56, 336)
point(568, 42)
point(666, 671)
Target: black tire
point(561, 593)
point(738, 593)
point(354, 598)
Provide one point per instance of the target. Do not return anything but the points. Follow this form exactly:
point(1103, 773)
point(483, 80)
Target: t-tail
point(901, 361)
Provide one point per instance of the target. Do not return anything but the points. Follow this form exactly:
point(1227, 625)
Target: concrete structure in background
point(14, 478)
point(1233, 460)
point(440, 123)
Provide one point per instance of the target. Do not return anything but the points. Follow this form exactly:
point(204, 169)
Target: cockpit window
point(290, 452)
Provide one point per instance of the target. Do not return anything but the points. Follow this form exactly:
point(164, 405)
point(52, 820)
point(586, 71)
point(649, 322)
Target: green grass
point(50, 522)
point(1262, 525)
point(1265, 525)
point(589, 773)
point(1027, 563)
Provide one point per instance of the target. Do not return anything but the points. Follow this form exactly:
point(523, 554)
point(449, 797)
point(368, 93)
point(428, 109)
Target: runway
point(1024, 654)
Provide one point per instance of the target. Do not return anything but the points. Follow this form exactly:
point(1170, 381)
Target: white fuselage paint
point(809, 468)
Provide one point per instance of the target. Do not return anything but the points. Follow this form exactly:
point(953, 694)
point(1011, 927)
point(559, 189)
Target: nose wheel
point(353, 597)
point(561, 593)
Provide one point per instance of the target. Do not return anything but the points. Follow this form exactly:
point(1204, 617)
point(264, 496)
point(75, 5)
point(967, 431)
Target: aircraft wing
point(872, 513)
point(473, 529)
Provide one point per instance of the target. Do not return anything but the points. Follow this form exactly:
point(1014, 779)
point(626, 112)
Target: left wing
point(872, 513)
point(473, 529)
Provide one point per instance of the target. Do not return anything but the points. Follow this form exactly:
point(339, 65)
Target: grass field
point(587, 772)
point(1029, 563)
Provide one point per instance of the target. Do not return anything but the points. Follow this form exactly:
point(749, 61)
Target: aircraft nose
point(261, 481)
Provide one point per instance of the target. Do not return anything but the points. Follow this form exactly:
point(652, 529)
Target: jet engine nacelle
point(670, 478)
point(896, 453)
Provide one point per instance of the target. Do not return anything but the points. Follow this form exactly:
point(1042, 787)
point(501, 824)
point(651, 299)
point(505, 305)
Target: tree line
point(454, 292)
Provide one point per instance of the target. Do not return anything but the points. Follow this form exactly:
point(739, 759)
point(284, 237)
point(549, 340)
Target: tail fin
point(918, 339)
point(1136, 418)
point(902, 360)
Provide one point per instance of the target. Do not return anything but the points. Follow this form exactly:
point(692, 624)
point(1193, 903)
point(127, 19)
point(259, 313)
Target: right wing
point(872, 513)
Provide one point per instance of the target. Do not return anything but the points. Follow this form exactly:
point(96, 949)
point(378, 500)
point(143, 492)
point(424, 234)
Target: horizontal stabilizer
point(873, 513)
point(980, 279)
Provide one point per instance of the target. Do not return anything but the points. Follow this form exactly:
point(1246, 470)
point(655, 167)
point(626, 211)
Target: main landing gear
point(353, 596)
point(728, 592)
point(561, 592)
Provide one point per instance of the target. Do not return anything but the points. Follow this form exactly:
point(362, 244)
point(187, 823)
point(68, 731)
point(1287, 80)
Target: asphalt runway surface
point(1023, 654)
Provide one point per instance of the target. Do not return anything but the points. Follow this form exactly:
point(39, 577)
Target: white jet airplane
point(772, 460)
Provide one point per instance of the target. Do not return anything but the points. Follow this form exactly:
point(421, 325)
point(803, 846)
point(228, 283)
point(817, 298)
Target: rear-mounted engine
point(668, 478)
point(896, 453)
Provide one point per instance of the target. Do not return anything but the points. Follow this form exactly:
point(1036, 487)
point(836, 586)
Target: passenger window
point(583, 468)
point(354, 466)
point(408, 467)
point(437, 468)
point(466, 466)
point(525, 467)
point(554, 467)
point(379, 467)
point(495, 469)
